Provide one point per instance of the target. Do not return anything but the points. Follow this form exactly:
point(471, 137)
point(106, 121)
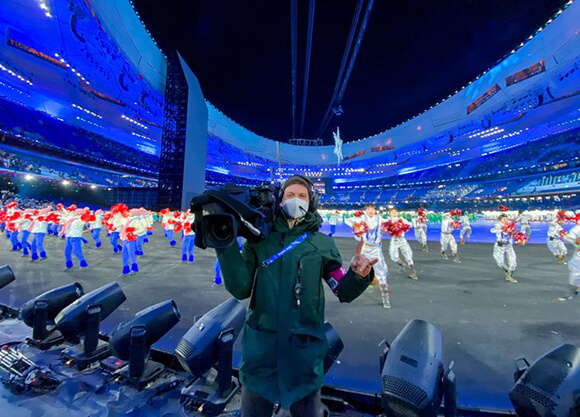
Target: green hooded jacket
point(284, 345)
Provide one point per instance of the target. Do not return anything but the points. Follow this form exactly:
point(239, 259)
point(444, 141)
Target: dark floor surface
point(485, 322)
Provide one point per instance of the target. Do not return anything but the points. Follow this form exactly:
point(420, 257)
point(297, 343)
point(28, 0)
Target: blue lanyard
point(287, 249)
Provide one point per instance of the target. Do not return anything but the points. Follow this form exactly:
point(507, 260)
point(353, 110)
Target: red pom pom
point(501, 207)
point(397, 228)
point(563, 233)
point(360, 229)
point(561, 215)
point(456, 212)
point(72, 207)
point(510, 227)
point(358, 213)
point(521, 238)
point(177, 227)
point(456, 225)
point(187, 227)
point(131, 236)
point(88, 217)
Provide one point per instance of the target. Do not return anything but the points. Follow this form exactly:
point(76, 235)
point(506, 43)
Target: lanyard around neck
point(285, 250)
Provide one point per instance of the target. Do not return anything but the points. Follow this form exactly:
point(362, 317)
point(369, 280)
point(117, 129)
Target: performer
point(188, 242)
point(503, 250)
point(96, 226)
point(555, 235)
point(3, 215)
point(333, 221)
point(399, 248)
point(524, 220)
point(23, 226)
point(465, 232)
point(132, 228)
point(142, 237)
point(168, 220)
point(573, 237)
point(217, 280)
point(115, 221)
point(12, 227)
point(420, 227)
point(368, 228)
point(39, 228)
point(450, 223)
point(72, 230)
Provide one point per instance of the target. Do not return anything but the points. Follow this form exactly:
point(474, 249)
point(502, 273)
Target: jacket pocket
point(306, 355)
point(259, 352)
point(311, 302)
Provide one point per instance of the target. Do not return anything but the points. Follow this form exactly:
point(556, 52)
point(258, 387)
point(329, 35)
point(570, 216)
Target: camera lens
point(219, 230)
point(222, 232)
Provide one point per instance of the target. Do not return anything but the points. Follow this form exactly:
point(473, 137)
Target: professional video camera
point(223, 214)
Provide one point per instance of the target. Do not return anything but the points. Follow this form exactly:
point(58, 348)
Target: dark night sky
point(414, 53)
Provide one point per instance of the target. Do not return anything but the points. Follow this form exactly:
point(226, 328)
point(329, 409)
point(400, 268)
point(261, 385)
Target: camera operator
point(284, 344)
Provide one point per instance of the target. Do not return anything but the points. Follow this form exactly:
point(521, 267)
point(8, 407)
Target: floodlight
point(209, 342)
point(132, 340)
point(41, 311)
point(413, 378)
point(82, 319)
point(550, 387)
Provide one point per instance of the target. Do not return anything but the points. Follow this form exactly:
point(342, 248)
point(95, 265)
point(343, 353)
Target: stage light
point(6, 276)
point(42, 310)
point(65, 182)
point(93, 187)
point(209, 341)
point(335, 346)
point(197, 351)
point(548, 387)
point(82, 318)
point(413, 378)
point(132, 340)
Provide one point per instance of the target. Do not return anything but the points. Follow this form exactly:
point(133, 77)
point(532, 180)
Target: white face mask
point(295, 208)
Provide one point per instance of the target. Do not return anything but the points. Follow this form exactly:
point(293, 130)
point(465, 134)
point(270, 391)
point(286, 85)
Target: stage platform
point(485, 322)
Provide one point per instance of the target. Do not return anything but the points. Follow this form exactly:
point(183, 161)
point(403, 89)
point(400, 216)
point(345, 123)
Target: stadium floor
point(485, 322)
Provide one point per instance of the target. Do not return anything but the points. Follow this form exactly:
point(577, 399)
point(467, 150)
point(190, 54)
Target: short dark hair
point(367, 205)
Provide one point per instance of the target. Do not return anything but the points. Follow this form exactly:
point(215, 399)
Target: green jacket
point(283, 344)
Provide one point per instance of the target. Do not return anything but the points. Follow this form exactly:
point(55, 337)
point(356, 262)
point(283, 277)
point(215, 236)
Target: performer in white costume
point(465, 232)
point(399, 247)
point(420, 227)
point(555, 237)
point(448, 225)
point(573, 237)
point(524, 220)
point(503, 249)
point(368, 227)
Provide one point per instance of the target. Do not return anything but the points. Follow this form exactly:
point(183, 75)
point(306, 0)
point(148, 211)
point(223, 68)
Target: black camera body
point(223, 214)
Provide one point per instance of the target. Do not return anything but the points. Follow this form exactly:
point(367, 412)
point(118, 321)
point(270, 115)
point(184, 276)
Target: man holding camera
point(284, 343)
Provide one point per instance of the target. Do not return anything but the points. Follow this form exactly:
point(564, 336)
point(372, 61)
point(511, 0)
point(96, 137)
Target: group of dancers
point(370, 226)
point(128, 230)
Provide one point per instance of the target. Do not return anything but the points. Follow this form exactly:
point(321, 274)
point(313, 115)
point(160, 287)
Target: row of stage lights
point(414, 378)
point(31, 178)
point(435, 182)
point(15, 75)
point(135, 122)
point(73, 69)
